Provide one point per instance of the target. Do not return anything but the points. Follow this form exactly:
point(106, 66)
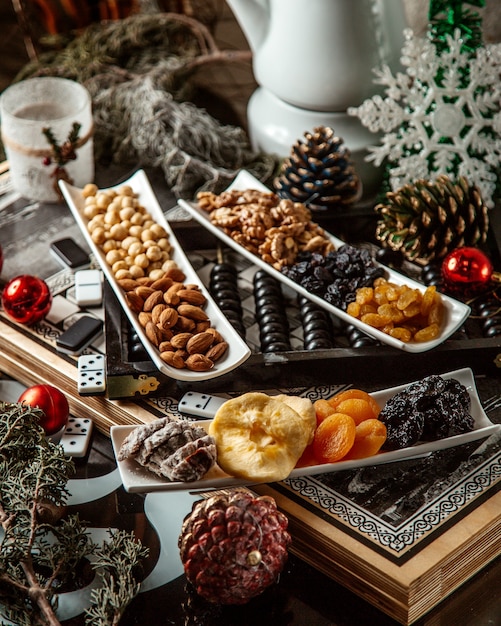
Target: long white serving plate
point(455, 312)
point(136, 478)
point(238, 350)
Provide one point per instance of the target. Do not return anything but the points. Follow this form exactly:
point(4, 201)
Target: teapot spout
point(253, 17)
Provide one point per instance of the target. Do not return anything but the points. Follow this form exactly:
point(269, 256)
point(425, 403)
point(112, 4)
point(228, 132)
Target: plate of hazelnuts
point(185, 334)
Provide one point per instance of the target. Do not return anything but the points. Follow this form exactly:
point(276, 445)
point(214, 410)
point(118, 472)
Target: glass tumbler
point(48, 103)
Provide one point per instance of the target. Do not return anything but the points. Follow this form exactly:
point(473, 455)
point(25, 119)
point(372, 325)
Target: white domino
point(200, 404)
point(91, 374)
point(88, 288)
point(76, 437)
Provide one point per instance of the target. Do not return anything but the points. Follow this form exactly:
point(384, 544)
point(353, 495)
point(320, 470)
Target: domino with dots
point(200, 404)
point(76, 437)
point(91, 374)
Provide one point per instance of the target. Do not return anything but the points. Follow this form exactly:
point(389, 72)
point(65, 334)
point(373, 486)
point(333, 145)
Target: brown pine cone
point(233, 546)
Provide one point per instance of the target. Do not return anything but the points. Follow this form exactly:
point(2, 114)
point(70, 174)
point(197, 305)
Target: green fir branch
point(40, 547)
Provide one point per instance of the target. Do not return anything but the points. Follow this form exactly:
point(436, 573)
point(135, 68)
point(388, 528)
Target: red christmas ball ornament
point(26, 299)
point(467, 271)
point(52, 402)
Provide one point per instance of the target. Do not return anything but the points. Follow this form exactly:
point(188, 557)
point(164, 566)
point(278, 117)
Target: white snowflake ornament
point(443, 116)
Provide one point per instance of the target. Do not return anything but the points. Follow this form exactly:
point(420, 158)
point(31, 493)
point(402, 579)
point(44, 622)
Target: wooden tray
point(404, 591)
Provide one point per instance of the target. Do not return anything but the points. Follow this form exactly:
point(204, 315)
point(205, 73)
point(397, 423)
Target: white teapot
point(320, 54)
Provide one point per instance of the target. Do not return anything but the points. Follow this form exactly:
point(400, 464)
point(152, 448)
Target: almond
point(128, 284)
point(199, 363)
point(216, 351)
point(171, 295)
point(144, 318)
point(164, 334)
point(176, 274)
point(199, 343)
point(144, 280)
point(185, 325)
point(168, 318)
point(157, 310)
point(201, 327)
point(144, 291)
point(165, 346)
point(152, 300)
point(173, 359)
point(180, 340)
point(162, 283)
point(217, 335)
point(192, 296)
point(135, 302)
point(152, 333)
point(193, 312)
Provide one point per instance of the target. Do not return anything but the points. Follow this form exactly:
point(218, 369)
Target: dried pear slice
point(258, 437)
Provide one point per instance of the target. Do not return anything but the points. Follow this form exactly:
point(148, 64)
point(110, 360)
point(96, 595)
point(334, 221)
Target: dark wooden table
point(303, 596)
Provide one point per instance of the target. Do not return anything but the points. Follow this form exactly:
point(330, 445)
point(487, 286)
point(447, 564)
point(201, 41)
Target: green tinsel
point(139, 72)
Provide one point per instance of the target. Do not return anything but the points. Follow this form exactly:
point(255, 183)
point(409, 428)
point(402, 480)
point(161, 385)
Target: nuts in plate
point(398, 310)
point(260, 438)
point(137, 249)
point(133, 243)
point(274, 229)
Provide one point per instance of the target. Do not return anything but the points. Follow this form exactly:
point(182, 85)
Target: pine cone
point(233, 546)
point(426, 220)
point(319, 172)
point(178, 451)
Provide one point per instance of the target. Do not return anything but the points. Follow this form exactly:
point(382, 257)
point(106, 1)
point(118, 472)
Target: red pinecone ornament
point(233, 546)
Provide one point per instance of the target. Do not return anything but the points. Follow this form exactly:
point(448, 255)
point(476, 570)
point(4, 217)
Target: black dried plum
point(441, 408)
point(404, 425)
point(337, 276)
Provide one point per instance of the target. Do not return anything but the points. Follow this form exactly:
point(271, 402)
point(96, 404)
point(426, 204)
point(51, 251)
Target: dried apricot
point(307, 458)
point(351, 394)
point(334, 438)
point(357, 408)
point(370, 435)
point(322, 409)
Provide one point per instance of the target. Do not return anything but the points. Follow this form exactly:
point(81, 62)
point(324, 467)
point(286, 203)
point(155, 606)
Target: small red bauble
point(52, 402)
point(26, 299)
point(467, 271)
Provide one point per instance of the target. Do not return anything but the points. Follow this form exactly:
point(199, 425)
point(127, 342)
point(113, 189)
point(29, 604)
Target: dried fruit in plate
point(430, 409)
point(258, 437)
point(370, 435)
point(175, 450)
point(400, 311)
point(354, 394)
point(304, 408)
point(233, 546)
point(323, 409)
point(334, 438)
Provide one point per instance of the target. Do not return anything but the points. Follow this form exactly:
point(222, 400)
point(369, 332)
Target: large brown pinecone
point(319, 172)
point(426, 220)
point(233, 546)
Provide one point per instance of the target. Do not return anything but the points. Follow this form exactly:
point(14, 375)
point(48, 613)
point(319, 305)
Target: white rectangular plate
point(238, 350)
point(136, 478)
point(455, 312)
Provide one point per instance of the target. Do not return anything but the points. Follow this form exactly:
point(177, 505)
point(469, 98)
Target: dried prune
point(336, 276)
point(427, 410)
point(404, 425)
